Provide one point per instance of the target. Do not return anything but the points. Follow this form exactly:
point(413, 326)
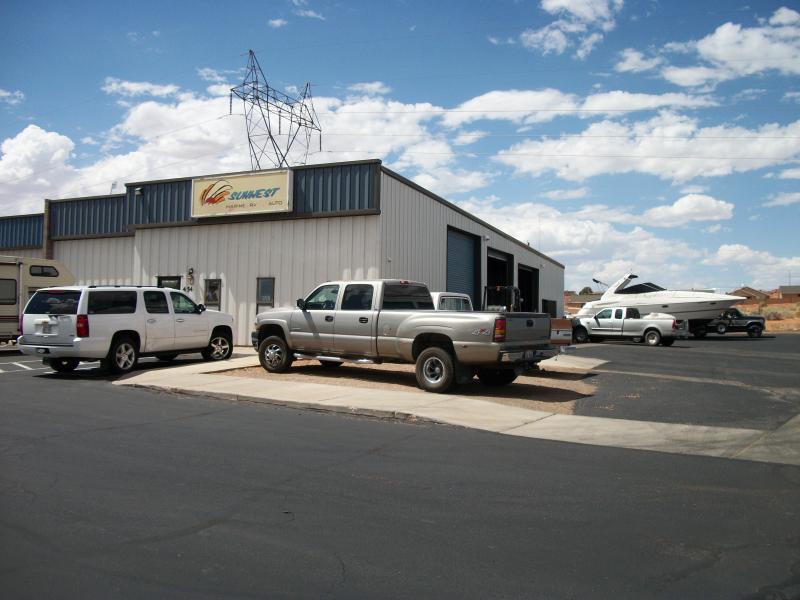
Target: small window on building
point(156, 303)
point(112, 303)
point(169, 281)
point(323, 298)
point(357, 297)
point(43, 271)
point(551, 306)
point(265, 293)
point(212, 294)
point(181, 304)
point(8, 291)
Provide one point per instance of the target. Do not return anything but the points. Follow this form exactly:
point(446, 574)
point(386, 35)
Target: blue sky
point(660, 137)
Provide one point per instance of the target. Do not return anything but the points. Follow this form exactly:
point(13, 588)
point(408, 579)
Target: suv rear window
point(54, 302)
point(112, 303)
point(403, 296)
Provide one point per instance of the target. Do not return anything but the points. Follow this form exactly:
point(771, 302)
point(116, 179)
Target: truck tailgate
point(527, 328)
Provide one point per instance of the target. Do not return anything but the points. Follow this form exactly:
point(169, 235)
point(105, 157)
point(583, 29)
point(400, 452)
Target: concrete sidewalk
point(779, 446)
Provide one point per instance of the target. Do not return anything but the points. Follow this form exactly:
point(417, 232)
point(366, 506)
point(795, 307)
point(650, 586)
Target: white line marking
point(22, 366)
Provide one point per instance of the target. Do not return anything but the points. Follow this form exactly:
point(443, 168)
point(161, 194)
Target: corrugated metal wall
point(342, 188)
point(23, 231)
point(101, 261)
point(298, 253)
point(335, 189)
point(414, 241)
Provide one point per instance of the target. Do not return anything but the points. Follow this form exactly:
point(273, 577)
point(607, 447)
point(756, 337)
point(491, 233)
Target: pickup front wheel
point(274, 355)
point(435, 370)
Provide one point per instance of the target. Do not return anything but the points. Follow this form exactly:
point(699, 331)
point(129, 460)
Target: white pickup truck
point(395, 321)
point(118, 324)
point(625, 323)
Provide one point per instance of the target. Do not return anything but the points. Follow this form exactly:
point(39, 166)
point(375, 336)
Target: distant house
point(789, 292)
point(751, 294)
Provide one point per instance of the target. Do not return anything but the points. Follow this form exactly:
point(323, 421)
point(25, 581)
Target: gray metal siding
point(414, 241)
point(335, 189)
point(23, 231)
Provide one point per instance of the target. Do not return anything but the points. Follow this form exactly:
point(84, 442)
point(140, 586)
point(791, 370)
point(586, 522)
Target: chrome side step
point(339, 359)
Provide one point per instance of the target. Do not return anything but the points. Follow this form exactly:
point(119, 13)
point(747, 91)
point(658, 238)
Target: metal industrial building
point(242, 251)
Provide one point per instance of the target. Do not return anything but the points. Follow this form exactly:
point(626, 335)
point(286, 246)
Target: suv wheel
point(496, 377)
point(721, 328)
point(123, 355)
point(219, 348)
point(652, 338)
point(435, 370)
point(63, 365)
point(274, 355)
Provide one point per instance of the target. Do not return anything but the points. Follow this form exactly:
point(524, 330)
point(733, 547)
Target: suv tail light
point(82, 326)
point(674, 324)
point(499, 330)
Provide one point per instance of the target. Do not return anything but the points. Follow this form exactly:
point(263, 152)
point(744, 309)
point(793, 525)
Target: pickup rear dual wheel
point(667, 341)
point(435, 370)
point(274, 355)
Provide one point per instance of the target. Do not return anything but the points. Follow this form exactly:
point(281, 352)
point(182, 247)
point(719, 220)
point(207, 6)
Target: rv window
point(43, 271)
point(55, 302)
point(8, 291)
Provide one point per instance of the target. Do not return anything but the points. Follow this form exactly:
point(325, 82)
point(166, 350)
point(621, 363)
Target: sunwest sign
point(242, 194)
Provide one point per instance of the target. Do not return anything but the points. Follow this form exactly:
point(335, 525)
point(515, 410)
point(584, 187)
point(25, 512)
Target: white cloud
point(791, 97)
point(784, 199)
point(670, 146)
point(215, 75)
point(11, 98)
point(465, 138)
point(445, 181)
point(694, 189)
point(713, 228)
point(309, 14)
point(580, 23)
point(692, 207)
point(89, 141)
point(734, 51)
point(526, 107)
point(749, 94)
point(277, 23)
point(633, 61)
point(763, 268)
point(573, 194)
point(138, 88)
point(790, 174)
point(370, 88)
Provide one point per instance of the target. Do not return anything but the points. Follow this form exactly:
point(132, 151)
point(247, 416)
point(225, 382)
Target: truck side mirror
point(301, 304)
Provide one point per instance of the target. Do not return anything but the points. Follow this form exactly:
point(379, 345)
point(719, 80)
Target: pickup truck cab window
point(452, 303)
point(604, 314)
point(323, 298)
point(182, 305)
point(357, 296)
point(618, 313)
point(156, 303)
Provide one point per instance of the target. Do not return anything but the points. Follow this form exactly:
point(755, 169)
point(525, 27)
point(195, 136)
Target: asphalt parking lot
point(723, 381)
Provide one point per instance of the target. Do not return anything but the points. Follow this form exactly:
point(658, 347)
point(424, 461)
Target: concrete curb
point(204, 380)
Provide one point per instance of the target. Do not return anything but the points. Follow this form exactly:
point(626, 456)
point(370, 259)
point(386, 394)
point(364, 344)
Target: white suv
point(117, 324)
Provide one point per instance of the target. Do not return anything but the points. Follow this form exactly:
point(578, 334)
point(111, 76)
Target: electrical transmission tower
point(280, 128)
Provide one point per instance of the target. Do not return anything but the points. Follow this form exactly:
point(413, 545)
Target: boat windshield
point(641, 288)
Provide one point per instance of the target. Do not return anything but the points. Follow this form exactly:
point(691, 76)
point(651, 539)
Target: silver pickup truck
point(395, 321)
point(626, 323)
